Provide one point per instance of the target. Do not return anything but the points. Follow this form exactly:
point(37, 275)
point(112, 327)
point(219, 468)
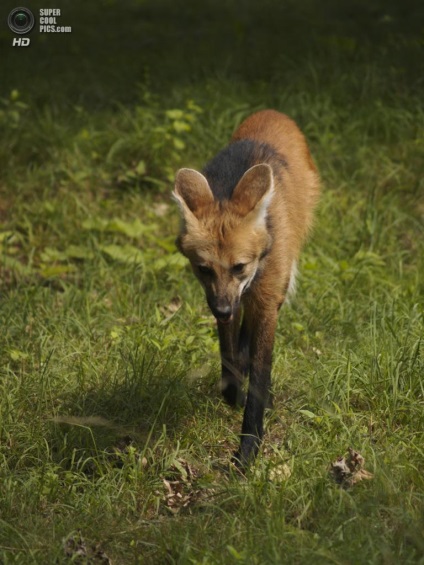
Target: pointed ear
point(253, 193)
point(192, 192)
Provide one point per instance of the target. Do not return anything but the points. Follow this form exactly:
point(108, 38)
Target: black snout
point(222, 312)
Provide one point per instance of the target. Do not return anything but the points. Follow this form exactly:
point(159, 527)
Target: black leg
point(232, 373)
point(262, 341)
point(243, 348)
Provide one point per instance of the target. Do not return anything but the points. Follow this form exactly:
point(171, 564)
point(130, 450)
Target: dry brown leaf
point(347, 471)
point(80, 552)
point(180, 486)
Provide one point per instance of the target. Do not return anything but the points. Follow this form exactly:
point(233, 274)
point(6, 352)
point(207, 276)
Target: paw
point(247, 452)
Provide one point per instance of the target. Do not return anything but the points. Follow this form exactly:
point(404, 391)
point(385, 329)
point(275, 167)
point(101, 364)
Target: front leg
point(232, 372)
point(262, 328)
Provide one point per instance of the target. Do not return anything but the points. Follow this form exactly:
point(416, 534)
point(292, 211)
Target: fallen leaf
point(280, 473)
point(78, 551)
point(180, 486)
point(347, 471)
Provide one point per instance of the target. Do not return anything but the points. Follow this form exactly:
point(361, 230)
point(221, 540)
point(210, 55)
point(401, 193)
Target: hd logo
point(21, 21)
point(21, 41)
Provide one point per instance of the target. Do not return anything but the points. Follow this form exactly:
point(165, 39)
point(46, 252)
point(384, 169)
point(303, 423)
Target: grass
point(114, 441)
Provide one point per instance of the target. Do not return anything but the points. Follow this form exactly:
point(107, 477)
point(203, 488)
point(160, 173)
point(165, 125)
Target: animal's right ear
point(191, 192)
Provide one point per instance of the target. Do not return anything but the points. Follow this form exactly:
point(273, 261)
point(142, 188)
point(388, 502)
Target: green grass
point(109, 365)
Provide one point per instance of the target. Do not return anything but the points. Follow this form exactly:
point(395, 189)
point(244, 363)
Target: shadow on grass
point(144, 402)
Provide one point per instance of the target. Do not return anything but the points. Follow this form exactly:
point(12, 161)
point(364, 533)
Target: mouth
point(225, 320)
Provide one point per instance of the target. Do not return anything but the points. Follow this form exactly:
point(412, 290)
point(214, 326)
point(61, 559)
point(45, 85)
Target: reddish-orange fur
point(301, 187)
point(262, 226)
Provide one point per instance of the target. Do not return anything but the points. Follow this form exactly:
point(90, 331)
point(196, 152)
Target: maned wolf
point(245, 218)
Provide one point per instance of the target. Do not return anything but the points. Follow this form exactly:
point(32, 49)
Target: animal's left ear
point(192, 192)
point(254, 192)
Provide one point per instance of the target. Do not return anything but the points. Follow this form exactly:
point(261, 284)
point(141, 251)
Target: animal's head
point(225, 241)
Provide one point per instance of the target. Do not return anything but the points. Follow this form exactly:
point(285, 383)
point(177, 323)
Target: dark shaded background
point(116, 46)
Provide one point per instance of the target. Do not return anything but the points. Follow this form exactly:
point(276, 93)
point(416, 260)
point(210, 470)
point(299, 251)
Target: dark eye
point(205, 270)
point(238, 268)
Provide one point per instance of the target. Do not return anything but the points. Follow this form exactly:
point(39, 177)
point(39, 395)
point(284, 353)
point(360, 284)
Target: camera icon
point(21, 20)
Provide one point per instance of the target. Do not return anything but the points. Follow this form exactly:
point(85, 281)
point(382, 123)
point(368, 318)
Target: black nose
point(223, 313)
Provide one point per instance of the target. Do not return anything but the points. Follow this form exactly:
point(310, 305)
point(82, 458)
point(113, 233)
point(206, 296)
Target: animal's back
point(280, 132)
point(299, 190)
